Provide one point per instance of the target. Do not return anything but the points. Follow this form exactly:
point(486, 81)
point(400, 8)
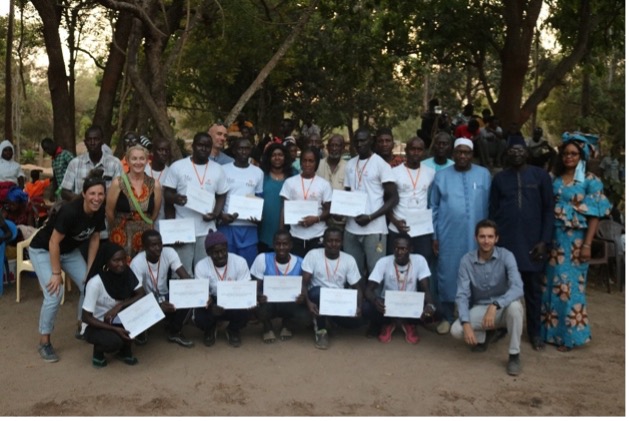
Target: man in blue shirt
point(489, 289)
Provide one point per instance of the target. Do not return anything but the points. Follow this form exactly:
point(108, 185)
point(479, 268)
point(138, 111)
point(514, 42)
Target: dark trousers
point(205, 320)
point(301, 247)
point(106, 341)
point(377, 319)
point(176, 319)
point(533, 299)
point(293, 313)
point(314, 294)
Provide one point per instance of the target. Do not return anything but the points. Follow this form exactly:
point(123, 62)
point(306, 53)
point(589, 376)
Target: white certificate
point(338, 302)
point(177, 230)
point(189, 293)
point(246, 207)
point(199, 200)
point(405, 304)
point(282, 289)
point(236, 295)
point(348, 203)
point(141, 315)
point(419, 221)
point(296, 210)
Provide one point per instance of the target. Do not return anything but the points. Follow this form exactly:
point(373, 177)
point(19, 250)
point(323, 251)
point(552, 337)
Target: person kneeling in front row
point(489, 290)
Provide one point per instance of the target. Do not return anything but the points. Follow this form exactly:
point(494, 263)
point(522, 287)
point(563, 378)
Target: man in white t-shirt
point(366, 235)
point(330, 268)
point(243, 179)
point(158, 167)
point(220, 266)
point(280, 262)
point(402, 271)
point(199, 171)
point(413, 182)
point(152, 267)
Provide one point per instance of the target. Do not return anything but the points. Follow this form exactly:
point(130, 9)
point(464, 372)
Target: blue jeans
point(74, 266)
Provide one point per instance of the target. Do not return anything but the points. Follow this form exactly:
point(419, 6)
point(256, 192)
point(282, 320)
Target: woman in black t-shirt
point(56, 247)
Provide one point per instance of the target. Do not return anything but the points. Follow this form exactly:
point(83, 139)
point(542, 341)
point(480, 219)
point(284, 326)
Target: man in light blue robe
point(459, 199)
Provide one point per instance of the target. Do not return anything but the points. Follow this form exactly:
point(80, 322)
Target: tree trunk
point(585, 97)
point(103, 114)
point(63, 119)
point(266, 70)
point(8, 77)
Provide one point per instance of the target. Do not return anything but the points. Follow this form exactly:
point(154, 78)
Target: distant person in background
point(129, 140)
point(309, 128)
point(11, 173)
point(383, 146)
point(60, 160)
point(157, 169)
point(218, 133)
point(441, 151)
point(332, 169)
point(541, 153)
point(430, 123)
point(17, 209)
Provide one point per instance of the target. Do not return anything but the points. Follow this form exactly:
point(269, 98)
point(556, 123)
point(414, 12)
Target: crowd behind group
point(477, 246)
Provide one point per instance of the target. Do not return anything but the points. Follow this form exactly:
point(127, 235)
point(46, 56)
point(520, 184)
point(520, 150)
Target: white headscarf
point(9, 170)
point(465, 142)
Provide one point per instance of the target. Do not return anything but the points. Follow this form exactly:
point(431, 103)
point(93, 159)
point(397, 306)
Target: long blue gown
point(459, 199)
point(565, 320)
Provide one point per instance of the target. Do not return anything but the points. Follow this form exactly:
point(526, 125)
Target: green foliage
point(29, 156)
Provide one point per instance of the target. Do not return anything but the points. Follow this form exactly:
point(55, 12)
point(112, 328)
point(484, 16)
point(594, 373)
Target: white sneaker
point(443, 328)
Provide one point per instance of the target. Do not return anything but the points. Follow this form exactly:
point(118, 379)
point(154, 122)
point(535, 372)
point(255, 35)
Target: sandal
point(99, 363)
point(127, 359)
point(563, 348)
point(538, 344)
point(268, 337)
point(285, 334)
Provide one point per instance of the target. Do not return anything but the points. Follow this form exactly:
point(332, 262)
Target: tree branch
point(94, 59)
point(138, 12)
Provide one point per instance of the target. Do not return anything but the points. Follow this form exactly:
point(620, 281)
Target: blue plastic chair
point(3, 248)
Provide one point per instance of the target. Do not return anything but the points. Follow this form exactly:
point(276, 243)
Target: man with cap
point(459, 199)
point(220, 266)
point(521, 202)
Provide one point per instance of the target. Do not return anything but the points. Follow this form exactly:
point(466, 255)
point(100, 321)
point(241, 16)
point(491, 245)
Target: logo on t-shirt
point(85, 234)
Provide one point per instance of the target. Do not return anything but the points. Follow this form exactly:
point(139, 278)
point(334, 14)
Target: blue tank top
point(269, 260)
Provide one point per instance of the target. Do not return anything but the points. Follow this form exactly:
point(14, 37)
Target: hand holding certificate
point(348, 203)
point(141, 315)
point(403, 304)
point(199, 200)
point(236, 295)
point(177, 230)
point(338, 302)
point(296, 210)
point(282, 289)
point(188, 293)
point(246, 207)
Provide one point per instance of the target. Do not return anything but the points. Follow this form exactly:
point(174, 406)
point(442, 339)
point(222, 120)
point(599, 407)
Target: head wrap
point(17, 195)
point(588, 143)
point(146, 142)
point(214, 238)
point(465, 142)
point(7, 144)
point(119, 286)
point(515, 140)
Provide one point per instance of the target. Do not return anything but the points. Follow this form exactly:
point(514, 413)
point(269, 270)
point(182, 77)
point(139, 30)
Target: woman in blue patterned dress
point(579, 203)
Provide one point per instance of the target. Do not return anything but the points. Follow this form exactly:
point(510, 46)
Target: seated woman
point(110, 288)
point(10, 171)
point(18, 209)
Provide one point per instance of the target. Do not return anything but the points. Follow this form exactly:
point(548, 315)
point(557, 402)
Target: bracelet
point(587, 246)
point(57, 273)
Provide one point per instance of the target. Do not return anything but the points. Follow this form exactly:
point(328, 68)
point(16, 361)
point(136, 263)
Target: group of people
point(475, 246)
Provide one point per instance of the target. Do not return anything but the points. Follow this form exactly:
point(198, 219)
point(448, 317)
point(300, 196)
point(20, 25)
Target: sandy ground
point(356, 376)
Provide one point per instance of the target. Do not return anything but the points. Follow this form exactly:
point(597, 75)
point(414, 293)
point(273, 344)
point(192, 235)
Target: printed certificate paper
point(246, 207)
point(236, 295)
point(141, 315)
point(177, 230)
point(188, 293)
point(296, 210)
point(282, 289)
point(405, 304)
point(338, 302)
point(419, 221)
point(199, 200)
point(348, 203)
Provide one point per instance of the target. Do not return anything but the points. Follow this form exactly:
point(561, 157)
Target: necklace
point(154, 278)
point(327, 269)
point(221, 278)
point(277, 268)
point(201, 180)
point(401, 278)
point(303, 189)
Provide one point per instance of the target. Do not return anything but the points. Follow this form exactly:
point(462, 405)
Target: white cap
point(465, 142)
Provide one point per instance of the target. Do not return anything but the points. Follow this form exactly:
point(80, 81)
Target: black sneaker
point(180, 339)
point(514, 367)
point(47, 352)
point(233, 337)
point(209, 338)
point(481, 347)
point(142, 338)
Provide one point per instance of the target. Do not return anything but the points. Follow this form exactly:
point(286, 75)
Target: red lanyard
point(414, 183)
point(303, 189)
point(360, 173)
point(201, 180)
point(278, 272)
point(397, 275)
point(154, 279)
point(221, 278)
point(327, 269)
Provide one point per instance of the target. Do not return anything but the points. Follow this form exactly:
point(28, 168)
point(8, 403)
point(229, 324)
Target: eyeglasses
point(570, 154)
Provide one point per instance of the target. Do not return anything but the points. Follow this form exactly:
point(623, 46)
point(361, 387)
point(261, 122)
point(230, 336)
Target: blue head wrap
point(589, 145)
point(17, 195)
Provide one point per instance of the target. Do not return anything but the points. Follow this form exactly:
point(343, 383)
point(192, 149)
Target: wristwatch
point(431, 307)
point(497, 305)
